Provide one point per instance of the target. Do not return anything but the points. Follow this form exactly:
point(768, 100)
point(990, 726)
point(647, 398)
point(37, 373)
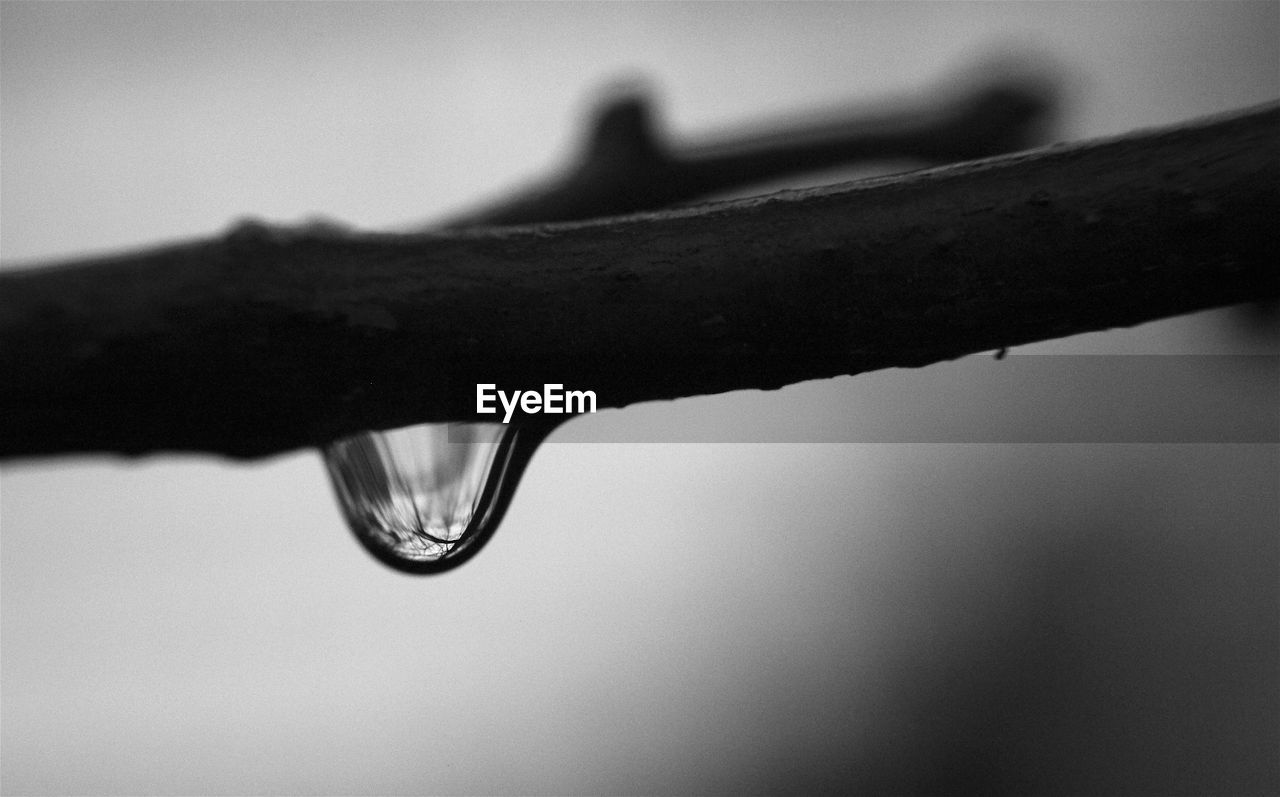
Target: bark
point(267, 339)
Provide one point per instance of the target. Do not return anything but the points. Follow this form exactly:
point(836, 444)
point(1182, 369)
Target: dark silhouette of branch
point(626, 167)
point(271, 338)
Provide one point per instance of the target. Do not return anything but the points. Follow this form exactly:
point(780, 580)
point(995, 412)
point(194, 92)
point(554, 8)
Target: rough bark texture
point(268, 339)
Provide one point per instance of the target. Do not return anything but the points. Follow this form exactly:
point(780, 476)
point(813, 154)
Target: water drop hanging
point(426, 498)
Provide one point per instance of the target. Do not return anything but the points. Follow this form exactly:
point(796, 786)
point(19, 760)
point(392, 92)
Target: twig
point(269, 338)
point(626, 167)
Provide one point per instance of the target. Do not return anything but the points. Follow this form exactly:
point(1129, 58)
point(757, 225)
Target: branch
point(626, 167)
point(270, 338)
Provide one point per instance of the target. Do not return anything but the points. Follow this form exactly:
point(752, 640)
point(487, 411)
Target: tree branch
point(271, 338)
point(625, 166)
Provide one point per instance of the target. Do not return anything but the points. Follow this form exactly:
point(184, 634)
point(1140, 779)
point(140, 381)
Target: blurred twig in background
point(626, 166)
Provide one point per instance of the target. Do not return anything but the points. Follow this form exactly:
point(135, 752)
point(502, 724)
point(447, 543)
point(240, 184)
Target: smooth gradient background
point(955, 607)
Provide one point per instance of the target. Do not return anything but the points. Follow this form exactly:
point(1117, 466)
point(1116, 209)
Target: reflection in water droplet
point(424, 499)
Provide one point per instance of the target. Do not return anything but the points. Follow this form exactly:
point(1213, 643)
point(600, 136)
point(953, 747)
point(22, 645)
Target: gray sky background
point(652, 618)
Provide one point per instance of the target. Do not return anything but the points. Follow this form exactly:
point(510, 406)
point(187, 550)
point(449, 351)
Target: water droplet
point(425, 498)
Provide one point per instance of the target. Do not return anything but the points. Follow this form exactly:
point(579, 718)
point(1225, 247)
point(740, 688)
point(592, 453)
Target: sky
point(967, 578)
